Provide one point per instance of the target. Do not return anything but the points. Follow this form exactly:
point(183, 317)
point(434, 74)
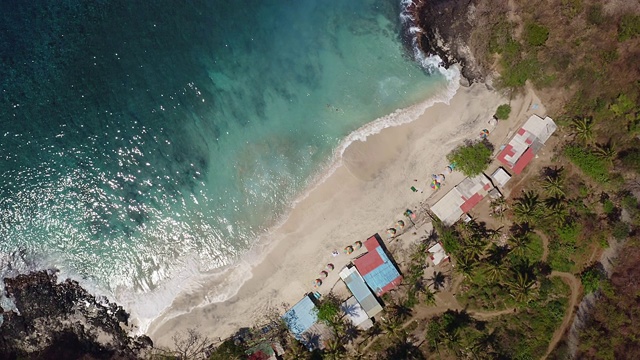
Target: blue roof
point(301, 317)
point(382, 275)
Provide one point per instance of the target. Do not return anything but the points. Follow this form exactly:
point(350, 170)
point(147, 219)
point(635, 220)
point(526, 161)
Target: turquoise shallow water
point(136, 137)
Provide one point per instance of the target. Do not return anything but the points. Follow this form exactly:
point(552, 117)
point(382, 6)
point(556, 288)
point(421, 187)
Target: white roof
point(500, 176)
point(355, 313)
point(448, 209)
point(540, 128)
point(437, 253)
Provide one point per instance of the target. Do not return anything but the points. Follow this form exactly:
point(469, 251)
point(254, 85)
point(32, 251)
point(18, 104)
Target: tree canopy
point(472, 158)
point(503, 111)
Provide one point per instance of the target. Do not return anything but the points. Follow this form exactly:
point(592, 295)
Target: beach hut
point(317, 283)
point(348, 250)
point(440, 178)
point(357, 245)
point(391, 232)
point(324, 273)
point(400, 224)
point(329, 267)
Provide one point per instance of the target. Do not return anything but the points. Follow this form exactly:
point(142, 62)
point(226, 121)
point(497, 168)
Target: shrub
point(631, 159)
point(620, 230)
point(629, 27)
point(588, 162)
point(503, 111)
point(595, 16)
point(591, 278)
point(535, 34)
point(471, 158)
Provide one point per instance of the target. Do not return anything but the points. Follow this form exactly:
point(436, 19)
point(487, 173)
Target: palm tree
point(496, 270)
point(518, 244)
point(358, 353)
point(399, 312)
point(334, 348)
point(437, 280)
point(556, 209)
point(528, 207)
point(393, 328)
point(499, 207)
point(429, 297)
point(465, 265)
point(296, 351)
point(606, 151)
point(372, 332)
point(583, 129)
point(553, 186)
point(520, 286)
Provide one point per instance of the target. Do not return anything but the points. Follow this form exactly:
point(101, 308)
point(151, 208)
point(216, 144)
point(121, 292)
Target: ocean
point(140, 140)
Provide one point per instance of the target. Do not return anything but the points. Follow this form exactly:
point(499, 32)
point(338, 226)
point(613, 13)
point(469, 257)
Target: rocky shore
point(447, 28)
point(54, 320)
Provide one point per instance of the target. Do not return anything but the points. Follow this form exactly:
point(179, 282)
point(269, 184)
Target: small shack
point(462, 198)
point(500, 177)
point(529, 139)
point(301, 317)
point(377, 269)
point(438, 254)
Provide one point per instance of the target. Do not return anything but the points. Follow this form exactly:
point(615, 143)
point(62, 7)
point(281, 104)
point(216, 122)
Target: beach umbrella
point(329, 267)
point(317, 283)
point(440, 178)
point(400, 224)
point(435, 185)
point(391, 232)
point(348, 250)
point(324, 274)
point(484, 133)
point(357, 245)
point(408, 213)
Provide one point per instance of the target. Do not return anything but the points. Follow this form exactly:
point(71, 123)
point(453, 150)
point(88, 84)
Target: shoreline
point(367, 184)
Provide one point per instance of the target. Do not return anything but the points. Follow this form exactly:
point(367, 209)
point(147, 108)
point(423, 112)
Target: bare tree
point(190, 345)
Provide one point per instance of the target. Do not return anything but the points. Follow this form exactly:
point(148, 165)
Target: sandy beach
point(365, 195)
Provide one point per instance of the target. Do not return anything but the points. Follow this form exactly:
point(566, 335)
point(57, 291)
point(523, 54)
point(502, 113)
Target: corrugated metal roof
point(359, 289)
point(301, 317)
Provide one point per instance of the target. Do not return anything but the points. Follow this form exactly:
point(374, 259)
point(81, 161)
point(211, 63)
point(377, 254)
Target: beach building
point(377, 270)
point(519, 152)
point(438, 254)
point(462, 198)
point(356, 314)
point(265, 351)
point(362, 294)
point(500, 177)
point(301, 317)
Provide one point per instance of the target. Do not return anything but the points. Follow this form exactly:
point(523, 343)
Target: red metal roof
point(523, 161)
point(469, 204)
point(390, 286)
point(371, 260)
point(521, 131)
point(507, 151)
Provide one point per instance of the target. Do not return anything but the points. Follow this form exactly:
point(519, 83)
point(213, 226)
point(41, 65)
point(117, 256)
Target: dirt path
point(574, 285)
point(545, 245)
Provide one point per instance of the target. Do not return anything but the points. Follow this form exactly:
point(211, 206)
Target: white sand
point(364, 196)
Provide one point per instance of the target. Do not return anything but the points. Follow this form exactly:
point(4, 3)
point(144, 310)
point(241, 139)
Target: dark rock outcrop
point(446, 27)
point(63, 321)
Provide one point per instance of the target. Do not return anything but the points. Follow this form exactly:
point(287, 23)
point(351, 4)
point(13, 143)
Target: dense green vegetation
point(503, 111)
point(472, 158)
point(536, 34)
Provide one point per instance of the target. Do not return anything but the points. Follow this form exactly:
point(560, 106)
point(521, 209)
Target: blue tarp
point(301, 317)
point(382, 275)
